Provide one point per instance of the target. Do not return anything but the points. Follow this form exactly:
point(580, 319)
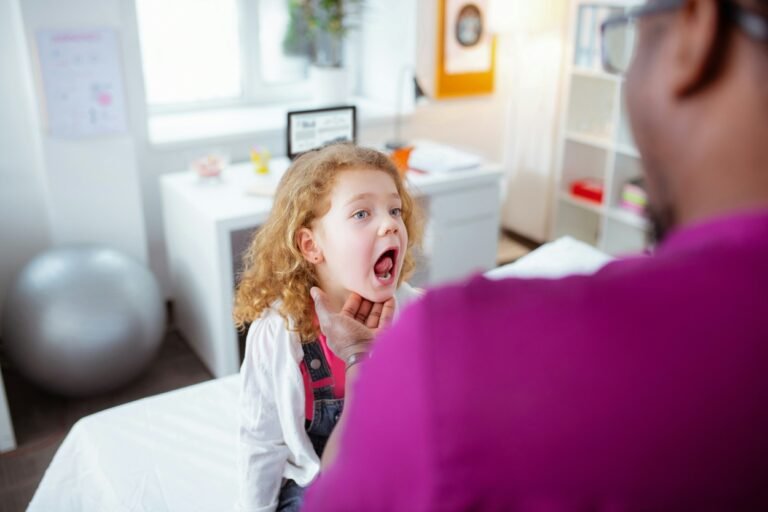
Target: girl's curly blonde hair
point(273, 265)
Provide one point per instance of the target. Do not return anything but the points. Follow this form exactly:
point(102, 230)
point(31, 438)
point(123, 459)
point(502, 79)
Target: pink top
point(336, 380)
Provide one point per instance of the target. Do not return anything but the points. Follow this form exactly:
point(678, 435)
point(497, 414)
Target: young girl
point(342, 220)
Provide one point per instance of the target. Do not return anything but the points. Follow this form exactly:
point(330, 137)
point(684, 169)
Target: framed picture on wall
point(466, 49)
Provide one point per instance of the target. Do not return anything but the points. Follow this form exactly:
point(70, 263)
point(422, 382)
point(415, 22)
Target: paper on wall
point(82, 80)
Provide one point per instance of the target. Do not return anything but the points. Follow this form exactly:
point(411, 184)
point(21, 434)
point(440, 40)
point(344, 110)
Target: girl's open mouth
point(384, 269)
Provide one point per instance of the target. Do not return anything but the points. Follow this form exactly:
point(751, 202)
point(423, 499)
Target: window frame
point(254, 91)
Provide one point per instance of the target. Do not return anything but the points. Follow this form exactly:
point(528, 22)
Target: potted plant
point(327, 23)
point(297, 42)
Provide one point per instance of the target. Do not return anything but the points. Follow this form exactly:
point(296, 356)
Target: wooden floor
point(512, 247)
point(41, 420)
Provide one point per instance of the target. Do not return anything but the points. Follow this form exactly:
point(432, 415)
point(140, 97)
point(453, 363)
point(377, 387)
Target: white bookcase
point(595, 140)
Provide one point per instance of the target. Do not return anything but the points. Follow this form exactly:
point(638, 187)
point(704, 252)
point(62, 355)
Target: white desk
point(208, 224)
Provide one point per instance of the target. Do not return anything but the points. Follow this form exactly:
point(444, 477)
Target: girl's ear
point(308, 246)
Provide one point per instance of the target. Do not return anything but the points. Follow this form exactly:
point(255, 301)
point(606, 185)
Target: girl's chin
point(381, 296)
point(377, 293)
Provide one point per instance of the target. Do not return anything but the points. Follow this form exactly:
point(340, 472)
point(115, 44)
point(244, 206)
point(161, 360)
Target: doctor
point(643, 387)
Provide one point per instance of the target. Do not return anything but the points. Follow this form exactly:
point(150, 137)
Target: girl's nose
point(388, 226)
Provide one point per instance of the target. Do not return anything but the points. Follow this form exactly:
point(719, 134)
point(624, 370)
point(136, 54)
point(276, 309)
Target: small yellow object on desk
point(260, 158)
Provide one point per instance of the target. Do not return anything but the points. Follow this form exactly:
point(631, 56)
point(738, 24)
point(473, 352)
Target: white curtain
point(531, 48)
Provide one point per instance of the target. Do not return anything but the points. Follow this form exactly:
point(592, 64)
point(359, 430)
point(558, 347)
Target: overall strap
point(319, 370)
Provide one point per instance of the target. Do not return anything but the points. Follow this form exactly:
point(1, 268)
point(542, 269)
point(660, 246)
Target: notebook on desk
point(439, 158)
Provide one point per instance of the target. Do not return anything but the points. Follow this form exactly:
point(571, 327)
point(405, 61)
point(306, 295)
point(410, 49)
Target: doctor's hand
point(351, 330)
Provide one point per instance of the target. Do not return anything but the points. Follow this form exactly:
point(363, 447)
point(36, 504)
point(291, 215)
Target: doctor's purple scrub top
point(643, 387)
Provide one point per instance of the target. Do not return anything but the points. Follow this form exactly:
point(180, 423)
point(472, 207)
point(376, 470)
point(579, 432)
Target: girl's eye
point(360, 215)
point(396, 212)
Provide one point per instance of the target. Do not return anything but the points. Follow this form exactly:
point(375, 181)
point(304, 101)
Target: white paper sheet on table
point(438, 158)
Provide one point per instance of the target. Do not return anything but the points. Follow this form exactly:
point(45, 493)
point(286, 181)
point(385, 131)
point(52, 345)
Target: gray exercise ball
point(82, 320)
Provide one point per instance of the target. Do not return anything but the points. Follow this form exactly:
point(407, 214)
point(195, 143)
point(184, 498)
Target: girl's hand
point(351, 330)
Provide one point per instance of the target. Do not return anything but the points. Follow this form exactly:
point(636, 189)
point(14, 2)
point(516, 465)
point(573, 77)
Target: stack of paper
point(437, 158)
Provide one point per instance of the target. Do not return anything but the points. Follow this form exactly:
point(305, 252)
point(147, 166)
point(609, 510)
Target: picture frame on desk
point(345, 116)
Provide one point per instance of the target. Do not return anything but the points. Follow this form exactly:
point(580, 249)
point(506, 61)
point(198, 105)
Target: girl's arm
point(262, 449)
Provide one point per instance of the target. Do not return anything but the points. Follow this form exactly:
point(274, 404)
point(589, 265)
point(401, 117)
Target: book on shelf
point(588, 35)
point(590, 189)
point(634, 197)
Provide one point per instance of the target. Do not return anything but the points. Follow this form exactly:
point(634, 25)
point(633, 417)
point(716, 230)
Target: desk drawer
point(460, 249)
point(464, 205)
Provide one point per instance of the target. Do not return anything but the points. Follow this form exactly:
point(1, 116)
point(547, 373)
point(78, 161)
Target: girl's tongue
point(384, 265)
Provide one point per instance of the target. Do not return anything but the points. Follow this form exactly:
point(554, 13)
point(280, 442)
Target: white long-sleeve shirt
point(274, 444)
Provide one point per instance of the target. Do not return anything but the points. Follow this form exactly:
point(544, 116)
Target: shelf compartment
point(629, 218)
point(591, 107)
point(588, 39)
point(581, 160)
point(585, 204)
point(577, 221)
point(625, 169)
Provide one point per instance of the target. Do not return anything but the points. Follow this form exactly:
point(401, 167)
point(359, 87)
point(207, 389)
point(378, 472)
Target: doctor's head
point(696, 74)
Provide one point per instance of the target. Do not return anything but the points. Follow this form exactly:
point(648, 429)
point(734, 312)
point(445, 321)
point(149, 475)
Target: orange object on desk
point(400, 157)
point(590, 189)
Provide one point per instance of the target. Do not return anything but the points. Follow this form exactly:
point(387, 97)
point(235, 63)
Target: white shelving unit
point(595, 142)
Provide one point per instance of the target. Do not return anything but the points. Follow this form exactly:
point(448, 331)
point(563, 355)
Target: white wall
point(531, 135)
point(24, 210)
point(533, 46)
point(94, 182)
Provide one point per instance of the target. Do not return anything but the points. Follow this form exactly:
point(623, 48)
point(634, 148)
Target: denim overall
point(325, 415)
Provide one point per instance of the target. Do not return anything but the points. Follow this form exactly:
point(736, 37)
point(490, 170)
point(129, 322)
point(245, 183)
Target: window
point(207, 53)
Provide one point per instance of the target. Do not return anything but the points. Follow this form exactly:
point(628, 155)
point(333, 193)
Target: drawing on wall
point(82, 81)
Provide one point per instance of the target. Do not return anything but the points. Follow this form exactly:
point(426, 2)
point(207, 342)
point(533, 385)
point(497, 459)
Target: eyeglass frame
point(753, 24)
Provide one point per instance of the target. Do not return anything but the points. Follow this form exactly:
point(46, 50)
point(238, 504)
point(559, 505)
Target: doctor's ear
point(697, 46)
point(308, 246)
